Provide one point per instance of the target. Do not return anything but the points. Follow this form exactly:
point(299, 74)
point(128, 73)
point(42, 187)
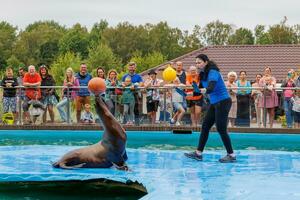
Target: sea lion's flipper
point(64, 166)
point(122, 167)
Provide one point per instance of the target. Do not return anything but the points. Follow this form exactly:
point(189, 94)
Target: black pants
point(216, 113)
point(243, 110)
point(136, 109)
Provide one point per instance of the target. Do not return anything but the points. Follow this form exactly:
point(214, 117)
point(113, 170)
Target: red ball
point(97, 85)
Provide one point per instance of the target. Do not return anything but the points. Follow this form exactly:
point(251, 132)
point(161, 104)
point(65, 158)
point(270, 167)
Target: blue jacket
point(83, 81)
point(219, 92)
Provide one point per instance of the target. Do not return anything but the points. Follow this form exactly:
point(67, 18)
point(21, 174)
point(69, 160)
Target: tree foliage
point(242, 36)
point(148, 61)
point(149, 45)
point(64, 61)
point(103, 56)
point(7, 39)
point(282, 33)
point(95, 36)
point(76, 40)
point(14, 62)
point(216, 33)
point(39, 43)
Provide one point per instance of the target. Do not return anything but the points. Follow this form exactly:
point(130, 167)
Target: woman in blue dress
point(212, 83)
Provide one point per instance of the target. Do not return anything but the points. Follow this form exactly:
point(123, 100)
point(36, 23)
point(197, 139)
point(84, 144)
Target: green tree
point(76, 40)
point(152, 60)
point(46, 23)
point(162, 38)
point(282, 33)
point(242, 36)
point(123, 39)
point(190, 42)
point(103, 56)
point(64, 61)
point(48, 52)
point(216, 33)
point(95, 37)
point(261, 36)
point(7, 40)
point(38, 43)
point(296, 29)
point(14, 63)
point(148, 61)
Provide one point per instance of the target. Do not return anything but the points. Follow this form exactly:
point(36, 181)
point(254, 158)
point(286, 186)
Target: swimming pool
point(268, 165)
point(152, 140)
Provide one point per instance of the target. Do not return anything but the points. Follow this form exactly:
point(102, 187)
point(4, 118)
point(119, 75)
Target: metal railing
point(162, 89)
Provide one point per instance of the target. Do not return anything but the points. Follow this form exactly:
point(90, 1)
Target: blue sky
point(181, 14)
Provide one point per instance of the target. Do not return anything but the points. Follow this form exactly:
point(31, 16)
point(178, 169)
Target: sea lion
point(111, 150)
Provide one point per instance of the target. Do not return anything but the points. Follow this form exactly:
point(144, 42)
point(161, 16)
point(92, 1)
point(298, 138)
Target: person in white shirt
point(87, 117)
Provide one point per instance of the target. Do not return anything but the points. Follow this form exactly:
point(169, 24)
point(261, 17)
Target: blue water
point(168, 174)
point(268, 165)
point(153, 140)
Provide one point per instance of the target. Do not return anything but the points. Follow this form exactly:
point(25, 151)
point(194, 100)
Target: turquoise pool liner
point(268, 165)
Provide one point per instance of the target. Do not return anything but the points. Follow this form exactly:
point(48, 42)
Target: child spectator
point(9, 93)
point(168, 109)
point(296, 108)
point(177, 100)
point(128, 101)
point(87, 117)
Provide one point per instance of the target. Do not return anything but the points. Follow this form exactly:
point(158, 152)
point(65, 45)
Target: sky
point(182, 14)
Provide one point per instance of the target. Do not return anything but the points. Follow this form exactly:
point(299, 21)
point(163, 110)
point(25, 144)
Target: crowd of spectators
point(133, 99)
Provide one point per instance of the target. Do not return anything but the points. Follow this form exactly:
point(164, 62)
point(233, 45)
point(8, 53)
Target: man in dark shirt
point(180, 72)
point(83, 95)
point(9, 92)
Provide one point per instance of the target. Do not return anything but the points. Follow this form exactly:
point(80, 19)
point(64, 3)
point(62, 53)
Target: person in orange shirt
point(194, 101)
point(31, 82)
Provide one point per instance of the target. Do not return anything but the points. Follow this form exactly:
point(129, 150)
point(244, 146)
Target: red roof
point(250, 58)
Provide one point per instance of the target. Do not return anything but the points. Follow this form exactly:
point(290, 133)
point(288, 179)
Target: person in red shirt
point(31, 82)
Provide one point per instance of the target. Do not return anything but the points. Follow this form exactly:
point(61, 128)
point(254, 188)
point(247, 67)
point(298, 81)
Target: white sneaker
point(178, 124)
point(172, 121)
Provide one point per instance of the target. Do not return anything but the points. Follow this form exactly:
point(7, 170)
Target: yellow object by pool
point(169, 74)
point(8, 118)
